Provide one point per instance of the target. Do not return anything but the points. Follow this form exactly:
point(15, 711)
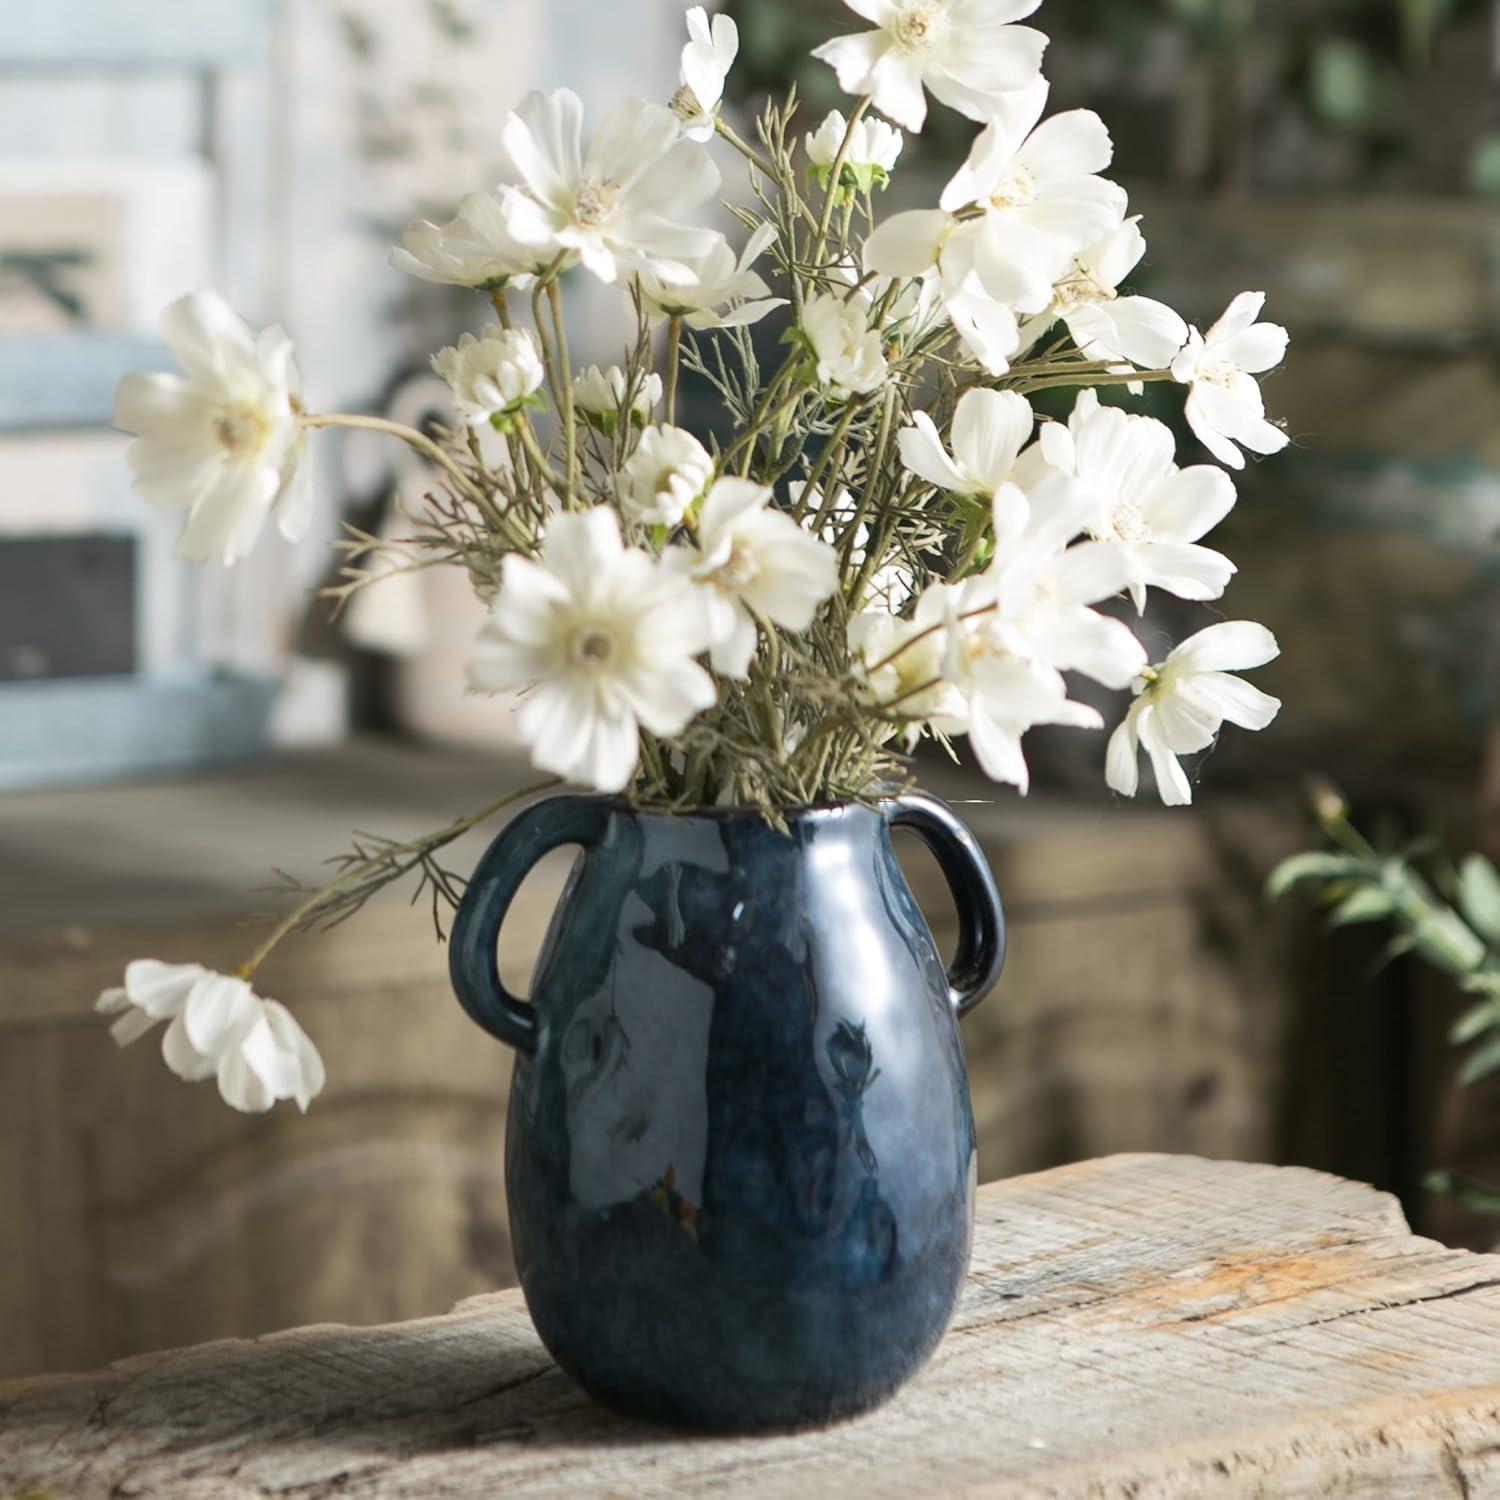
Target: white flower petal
point(219, 1012)
point(159, 989)
point(1172, 784)
point(989, 430)
point(923, 453)
point(1122, 758)
point(1230, 646)
point(906, 244)
point(184, 1059)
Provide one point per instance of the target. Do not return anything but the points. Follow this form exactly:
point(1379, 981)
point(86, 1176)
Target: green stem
point(539, 463)
point(565, 376)
point(674, 358)
point(751, 155)
point(417, 441)
point(1029, 387)
point(401, 859)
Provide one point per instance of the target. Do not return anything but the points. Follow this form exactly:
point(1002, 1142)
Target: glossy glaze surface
point(741, 1157)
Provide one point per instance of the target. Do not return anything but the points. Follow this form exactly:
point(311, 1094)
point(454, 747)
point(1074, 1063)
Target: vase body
point(740, 1159)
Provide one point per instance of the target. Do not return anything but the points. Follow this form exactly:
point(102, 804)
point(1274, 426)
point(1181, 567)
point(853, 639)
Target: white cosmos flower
point(850, 359)
point(220, 1028)
point(1042, 197)
point(1182, 704)
point(1006, 691)
point(614, 204)
point(1146, 508)
point(1224, 404)
point(966, 52)
point(874, 148)
point(990, 428)
point(1037, 594)
point(600, 396)
point(492, 376)
point(475, 248)
point(221, 441)
point(724, 292)
point(902, 663)
point(1105, 325)
point(706, 61)
point(664, 477)
point(946, 252)
point(751, 560)
point(604, 638)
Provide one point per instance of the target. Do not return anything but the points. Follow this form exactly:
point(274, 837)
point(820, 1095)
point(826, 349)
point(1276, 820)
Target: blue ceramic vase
point(740, 1159)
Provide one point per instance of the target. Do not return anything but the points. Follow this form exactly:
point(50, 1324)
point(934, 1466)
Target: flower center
point(239, 429)
point(685, 104)
point(739, 570)
point(1127, 524)
point(592, 648)
point(1016, 189)
point(595, 203)
point(1213, 371)
point(918, 26)
point(1081, 289)
point(668, 482)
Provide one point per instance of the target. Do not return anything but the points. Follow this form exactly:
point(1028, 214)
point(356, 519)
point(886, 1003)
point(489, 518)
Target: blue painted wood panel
point(108, 33)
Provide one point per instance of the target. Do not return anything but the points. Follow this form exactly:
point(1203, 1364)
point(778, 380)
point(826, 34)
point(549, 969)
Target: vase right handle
point(981, 921)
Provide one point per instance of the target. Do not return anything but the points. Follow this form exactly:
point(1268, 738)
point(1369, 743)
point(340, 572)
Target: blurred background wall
point(169, 733)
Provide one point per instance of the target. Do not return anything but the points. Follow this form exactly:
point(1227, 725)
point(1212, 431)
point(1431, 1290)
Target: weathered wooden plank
point(1137, 1326)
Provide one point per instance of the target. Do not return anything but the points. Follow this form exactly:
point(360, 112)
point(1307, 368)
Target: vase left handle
point(473, 963)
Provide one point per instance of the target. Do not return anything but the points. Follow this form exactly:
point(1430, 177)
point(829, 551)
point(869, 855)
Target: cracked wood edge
point(1136, 1326)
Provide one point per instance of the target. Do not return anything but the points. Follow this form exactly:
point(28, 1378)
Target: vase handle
point(981, 921)
point(473, 964)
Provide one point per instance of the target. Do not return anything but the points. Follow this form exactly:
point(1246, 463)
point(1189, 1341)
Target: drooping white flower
point(664, 477)
point(475, 248)
point(1042, 198)
point(706, 61)
point(990, 428)
point(1146, 508)
point(1181, 705)
point(848, 353)
point(751, 560)
point(874, 148)
point(221, 441)
point(493, 376)
point(1105, 325)
point(220, 1028)
point(723, 293)
point(901, 665)
point(615, 202)
point(604, 639)
point(946, 252)
point(967, 53)
point(600, 396)
point(1224, 404)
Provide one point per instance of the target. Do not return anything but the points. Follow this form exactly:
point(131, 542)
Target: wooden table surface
point(1135, 1326)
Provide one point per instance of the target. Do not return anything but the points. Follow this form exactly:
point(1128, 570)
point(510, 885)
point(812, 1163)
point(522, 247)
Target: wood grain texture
point(1136, 1326)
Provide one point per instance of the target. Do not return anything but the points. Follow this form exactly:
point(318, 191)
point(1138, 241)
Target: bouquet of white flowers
point(888, 544)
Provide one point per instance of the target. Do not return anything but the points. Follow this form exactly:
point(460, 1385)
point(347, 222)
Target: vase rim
point(806, 813)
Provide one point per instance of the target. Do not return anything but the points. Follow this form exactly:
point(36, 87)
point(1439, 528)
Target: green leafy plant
point(1445, 914)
